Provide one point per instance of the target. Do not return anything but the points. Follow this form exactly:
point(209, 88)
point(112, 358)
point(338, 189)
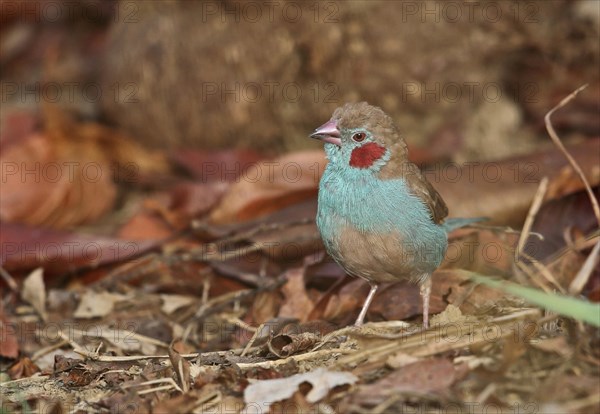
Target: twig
point(48, 349)
point(111, 334)
point(264, 227)
point(9, 280)
point(485, 394)
point(571, 160)
point(316, 355)
point(257, 333)
point(531, 214)
point(584, 273)
point(543, 270)
point(413, 343)
point(504, 229)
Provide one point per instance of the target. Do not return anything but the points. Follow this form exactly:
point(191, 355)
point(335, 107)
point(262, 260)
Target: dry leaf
point(23, 368)
point(170, 303)
point(400, 359)
point(59, 251)
point(506, 188)
point(297, 303)
point(285, 345)
point(9, 347)
point(269, 186)
point(94, 305)
point(43, 187)
point(262, 394)
point(215, 166)
point(181, 366)
point(422, 377)
point(64, 175)
point(34, 292)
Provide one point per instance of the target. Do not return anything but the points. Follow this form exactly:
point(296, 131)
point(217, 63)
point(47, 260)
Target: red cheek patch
point(365, 155)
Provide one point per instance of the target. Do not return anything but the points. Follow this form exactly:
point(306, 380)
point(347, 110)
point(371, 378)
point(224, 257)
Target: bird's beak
point(328, 132)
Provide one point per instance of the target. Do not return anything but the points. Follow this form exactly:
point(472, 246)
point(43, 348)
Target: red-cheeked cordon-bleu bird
point(379, 217)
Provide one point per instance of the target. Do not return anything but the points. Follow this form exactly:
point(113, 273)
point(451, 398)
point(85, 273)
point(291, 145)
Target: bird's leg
point(363, 311)
point(425, 291)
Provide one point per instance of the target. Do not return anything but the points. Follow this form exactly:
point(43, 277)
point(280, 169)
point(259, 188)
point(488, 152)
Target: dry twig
point(570, 158)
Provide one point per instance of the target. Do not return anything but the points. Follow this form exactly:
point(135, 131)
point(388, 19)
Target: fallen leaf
point(399, 301)
point(268, 186)
point(60, 251)
point(34, 292)
point(216, 166)
point(181, 366)
point(65, 175)
point(342, 303)
point(43, 187)
point(190, 200)
point(294, 235)
point(262, 394)
point(297, 304)
point(573, 211)
point(506, 188)
point(9, 346)
point(400, 359)
point(422, 377)
point(23, 368)
point(285, 345)
point(96, 304)
point(265, 306)
point(145, 225)
point(170, 303)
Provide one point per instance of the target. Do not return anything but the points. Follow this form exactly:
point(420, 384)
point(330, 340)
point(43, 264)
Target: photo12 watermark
point(69, 92)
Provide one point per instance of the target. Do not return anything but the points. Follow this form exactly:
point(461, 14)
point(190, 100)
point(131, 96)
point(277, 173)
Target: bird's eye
point(359, 136)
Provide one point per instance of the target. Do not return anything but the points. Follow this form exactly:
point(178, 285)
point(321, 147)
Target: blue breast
point(358, 198)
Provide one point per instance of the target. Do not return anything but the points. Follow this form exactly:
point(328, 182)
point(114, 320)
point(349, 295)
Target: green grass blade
point(578, 309)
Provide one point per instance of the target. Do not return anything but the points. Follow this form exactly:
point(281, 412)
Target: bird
point(379, 218)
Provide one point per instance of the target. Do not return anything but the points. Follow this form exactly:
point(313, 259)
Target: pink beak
point(328, 132)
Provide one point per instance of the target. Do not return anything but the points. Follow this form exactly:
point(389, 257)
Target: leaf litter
point(231, 304)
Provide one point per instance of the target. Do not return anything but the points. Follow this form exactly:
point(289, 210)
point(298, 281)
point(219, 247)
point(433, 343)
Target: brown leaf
point(216, 166)
point(422, 377)
point(504, 189)
point(295, 234)
point(555, 217)
point(399, 301)
point(265, 306)
point(297, 304)
point(453, 287)
point(145, 225)
point(23, 368)
point(42, 187)
point(64, 176)
point(285, 345)
point(34, 292)
point(271, 185)
point(9, 346)
point(189, 200)
point(342, 304)
point(60, 252)
point(181, 367)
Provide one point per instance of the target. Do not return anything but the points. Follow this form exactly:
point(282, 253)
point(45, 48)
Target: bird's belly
point(378, 230)
point(385, 256)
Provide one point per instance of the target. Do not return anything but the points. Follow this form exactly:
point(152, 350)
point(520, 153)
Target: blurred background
point(471, 80)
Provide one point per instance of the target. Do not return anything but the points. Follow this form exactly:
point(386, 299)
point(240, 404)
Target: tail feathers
point(456, 223)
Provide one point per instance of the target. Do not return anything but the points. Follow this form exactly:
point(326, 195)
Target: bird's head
point(360, 136)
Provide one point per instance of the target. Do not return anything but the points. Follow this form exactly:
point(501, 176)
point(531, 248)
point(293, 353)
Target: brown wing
point(423, 189)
